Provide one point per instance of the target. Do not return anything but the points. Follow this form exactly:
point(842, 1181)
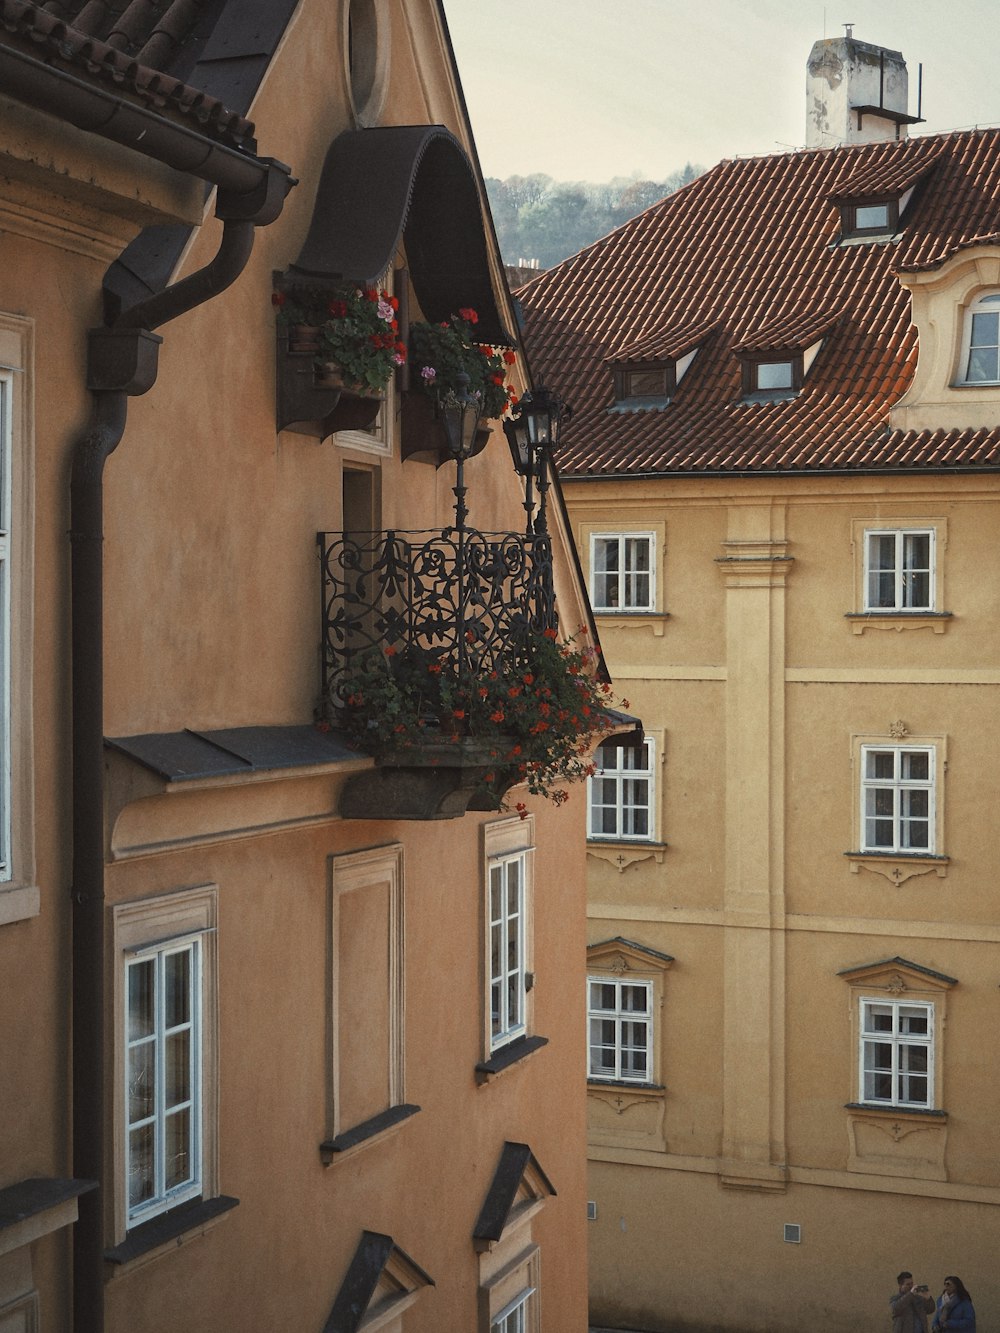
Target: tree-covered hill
point(544, 220)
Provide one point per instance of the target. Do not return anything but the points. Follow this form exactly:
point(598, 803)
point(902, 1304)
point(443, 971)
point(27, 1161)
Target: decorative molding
point(899, 621)
point(755, 564)
point(622, 855)
point(898, 729)
point(651, 620)
point(897, 869)
point(885, 1141)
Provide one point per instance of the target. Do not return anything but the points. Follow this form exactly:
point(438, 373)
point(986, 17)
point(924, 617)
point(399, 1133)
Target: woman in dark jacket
point(955, 1313)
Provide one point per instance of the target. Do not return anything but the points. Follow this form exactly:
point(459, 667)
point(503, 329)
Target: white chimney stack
point(855, 93)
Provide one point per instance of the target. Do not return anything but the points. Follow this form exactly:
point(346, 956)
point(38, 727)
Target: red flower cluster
point(469, 315)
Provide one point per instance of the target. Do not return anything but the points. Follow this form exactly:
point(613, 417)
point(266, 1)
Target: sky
point(593, 89)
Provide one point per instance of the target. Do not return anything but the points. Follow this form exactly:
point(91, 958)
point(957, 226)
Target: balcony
point(422, 633)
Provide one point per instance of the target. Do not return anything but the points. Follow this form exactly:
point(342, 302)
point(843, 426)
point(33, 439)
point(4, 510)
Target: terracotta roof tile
point(749, 255)
point(129, 46)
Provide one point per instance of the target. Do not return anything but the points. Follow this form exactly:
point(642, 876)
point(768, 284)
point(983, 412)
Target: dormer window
point(872, 217)
point(981, 352)
point(647, 372)
point(649, 381)
point(772, 376)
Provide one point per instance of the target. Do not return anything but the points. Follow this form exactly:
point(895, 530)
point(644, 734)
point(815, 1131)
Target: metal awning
point(413, 183)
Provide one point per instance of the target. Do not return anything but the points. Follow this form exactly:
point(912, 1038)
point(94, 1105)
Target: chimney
point(855, 93)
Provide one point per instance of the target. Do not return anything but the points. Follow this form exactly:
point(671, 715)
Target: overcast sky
point(592, 89)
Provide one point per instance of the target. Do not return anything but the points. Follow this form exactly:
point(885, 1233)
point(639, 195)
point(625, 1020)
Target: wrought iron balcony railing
point(461, 598)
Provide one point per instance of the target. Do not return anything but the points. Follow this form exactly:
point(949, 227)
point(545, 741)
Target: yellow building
point(782, 472)
point(282, 1044)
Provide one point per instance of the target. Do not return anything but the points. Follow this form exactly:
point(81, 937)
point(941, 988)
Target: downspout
point(121, 364)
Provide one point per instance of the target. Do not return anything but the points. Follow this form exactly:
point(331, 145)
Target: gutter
point(121, 363)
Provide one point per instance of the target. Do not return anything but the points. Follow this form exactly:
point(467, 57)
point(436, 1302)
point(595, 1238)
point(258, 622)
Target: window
point(19, 895)
point(897, 1053)
point(871, 216)
point(620, 1025)
point(621, 792)
point(982, 336)
point(775, 375)
point(506, 927)
point(514, 1318)
point(622, 571)
point(508, 857)
point(897, 798)
point(5, 709)
point(163, 1063)
point(899, 569)
point(166, 1061)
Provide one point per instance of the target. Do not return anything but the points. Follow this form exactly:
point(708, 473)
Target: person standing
point(954, 1309)
point(910, 1306)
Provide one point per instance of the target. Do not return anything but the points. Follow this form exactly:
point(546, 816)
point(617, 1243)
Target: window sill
point(620, 1085)
point(882, 1111)
point(898, 867)
point(611, 618)
point(369, 1130)
point(506, 1056)
point(622, 853)
point(899, 620)
point(19, 903)
point(169, 1230)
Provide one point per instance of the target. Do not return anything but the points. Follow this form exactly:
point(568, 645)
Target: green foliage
point(357, 328)
point(538, 719)
point(538, 218)
point(439, 353)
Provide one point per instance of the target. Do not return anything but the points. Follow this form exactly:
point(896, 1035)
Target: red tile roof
point(128, 46)
point(749, 254)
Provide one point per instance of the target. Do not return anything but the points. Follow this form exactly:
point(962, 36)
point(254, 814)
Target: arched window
point(981, 351)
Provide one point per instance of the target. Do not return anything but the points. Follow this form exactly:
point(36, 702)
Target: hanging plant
point(355, 329)
point(536, 720)
point(439, 353)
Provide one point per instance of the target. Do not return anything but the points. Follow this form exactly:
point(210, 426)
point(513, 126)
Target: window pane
point(634, 999)
point(916, 765)
point(178, 1068)
point(880, 763)
point(178, 1150)
point(141, 1081)
point(983, 365)
point(871, 215)
point(644, 383)
point(141, 1178)
point(140, 999)
point(177, 987)
point(774, 375)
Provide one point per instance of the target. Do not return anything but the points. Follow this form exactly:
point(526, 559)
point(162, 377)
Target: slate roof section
point(750, 248)
point(132, 48)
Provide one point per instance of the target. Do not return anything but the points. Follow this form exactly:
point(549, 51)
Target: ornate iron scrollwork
point(452, 596)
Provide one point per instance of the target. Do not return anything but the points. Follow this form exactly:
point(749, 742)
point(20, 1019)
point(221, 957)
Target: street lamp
point(460, 417)
point(533, 436)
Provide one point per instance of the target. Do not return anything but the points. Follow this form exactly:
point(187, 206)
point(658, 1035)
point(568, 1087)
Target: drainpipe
point(121, 364)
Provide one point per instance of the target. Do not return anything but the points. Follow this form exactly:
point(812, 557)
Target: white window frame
point(164, 1196)
point(518, 1310)
point(625, 779)
point(620, 1017)
point(627, 572)
point(143, 929)
point(900, 570)
point(19, 894)
point(508, 849)
point(506, 927)
point(988, 303)
point(6, 768)
point(900, 1043)
point(900, 787)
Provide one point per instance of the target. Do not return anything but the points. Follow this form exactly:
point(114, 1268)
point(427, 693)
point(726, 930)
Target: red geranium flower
point(279, 299)
point(509, 357)
point(469, 315)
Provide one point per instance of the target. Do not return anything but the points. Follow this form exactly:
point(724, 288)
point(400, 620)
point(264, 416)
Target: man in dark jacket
point(910, 1306)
